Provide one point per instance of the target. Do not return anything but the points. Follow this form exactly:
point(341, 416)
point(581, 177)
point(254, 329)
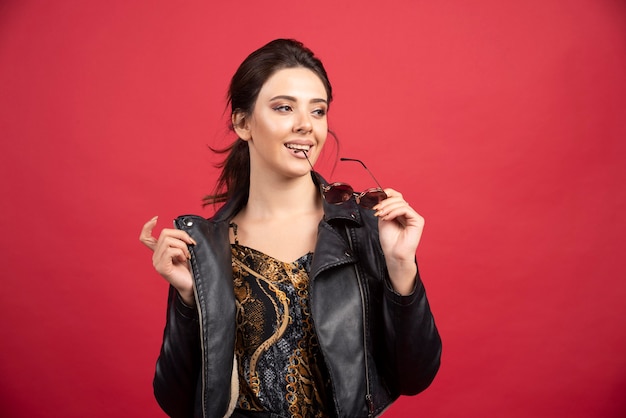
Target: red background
point(502, 122)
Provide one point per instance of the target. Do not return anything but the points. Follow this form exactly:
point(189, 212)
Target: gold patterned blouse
point(280, 365)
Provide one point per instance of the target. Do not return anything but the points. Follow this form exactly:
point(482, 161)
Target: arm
point(413, 344)
point(179, 363)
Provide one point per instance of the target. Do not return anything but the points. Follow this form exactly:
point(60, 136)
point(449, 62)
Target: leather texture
point(377, 344)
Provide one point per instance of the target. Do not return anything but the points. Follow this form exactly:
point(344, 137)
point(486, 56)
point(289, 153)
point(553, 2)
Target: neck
point(281, 198)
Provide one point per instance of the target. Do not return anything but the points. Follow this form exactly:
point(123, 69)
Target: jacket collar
point(347, 211)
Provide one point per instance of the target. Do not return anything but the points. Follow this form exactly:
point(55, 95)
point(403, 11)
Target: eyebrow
point(293, 99)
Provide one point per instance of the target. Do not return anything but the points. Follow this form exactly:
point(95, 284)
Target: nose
point(302, 124)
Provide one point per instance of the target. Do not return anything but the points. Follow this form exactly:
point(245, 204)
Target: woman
point(290, 301)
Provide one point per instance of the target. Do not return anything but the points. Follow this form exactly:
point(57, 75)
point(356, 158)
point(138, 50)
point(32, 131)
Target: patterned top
point(280, 366)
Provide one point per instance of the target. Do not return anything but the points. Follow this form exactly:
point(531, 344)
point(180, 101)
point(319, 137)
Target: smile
point(298, 147)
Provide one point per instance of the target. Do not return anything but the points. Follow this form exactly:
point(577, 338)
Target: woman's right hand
point(170, 257)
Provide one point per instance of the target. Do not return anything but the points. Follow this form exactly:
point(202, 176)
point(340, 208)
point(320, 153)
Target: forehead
point(297, 82)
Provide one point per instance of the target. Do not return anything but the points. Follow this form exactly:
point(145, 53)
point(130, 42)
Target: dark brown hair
point(243, 91)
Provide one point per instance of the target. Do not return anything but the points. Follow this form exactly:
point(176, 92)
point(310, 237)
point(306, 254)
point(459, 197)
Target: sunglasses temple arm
point(365, 167)
point(307, 158)
point(322, 187)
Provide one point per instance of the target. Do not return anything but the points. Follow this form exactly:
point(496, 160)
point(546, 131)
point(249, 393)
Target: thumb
point(146, 234)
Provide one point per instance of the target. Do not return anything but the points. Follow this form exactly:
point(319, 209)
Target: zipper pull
point(370, 405)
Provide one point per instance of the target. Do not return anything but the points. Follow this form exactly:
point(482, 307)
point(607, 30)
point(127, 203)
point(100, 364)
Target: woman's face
point(289, 116)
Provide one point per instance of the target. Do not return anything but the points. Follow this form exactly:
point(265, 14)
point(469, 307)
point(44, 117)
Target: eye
point(283, 108)
point(319, 112)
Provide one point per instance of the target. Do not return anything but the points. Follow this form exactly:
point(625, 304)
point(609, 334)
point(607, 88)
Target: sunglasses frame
point(346, 192)
point(349, 192)
point(378, 192)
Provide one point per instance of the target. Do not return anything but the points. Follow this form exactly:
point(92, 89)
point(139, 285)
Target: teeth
point(298, 147)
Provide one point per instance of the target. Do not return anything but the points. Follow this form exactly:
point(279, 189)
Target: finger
point(178, 234)
point(392, 196)
point(390, 204)
point(167, 242)
point(170, 256)
point(392, 193)
point(146, 234)
point(401, 211)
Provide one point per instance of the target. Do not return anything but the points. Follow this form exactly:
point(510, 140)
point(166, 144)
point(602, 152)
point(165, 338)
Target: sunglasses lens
point(371, 198)
point(338, 193)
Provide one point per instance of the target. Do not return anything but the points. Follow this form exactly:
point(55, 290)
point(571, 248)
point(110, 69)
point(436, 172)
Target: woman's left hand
point(400, 229)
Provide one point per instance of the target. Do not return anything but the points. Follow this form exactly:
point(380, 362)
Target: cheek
point(271, 126)
point(321, 131)
point(321, 142)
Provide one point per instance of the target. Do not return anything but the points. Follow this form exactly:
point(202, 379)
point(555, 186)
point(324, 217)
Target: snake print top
point(279, 361)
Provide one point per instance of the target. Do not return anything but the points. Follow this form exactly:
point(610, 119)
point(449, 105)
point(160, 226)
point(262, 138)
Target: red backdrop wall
point(504, 124)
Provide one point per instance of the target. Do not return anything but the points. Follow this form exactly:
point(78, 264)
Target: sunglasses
point(337, 193)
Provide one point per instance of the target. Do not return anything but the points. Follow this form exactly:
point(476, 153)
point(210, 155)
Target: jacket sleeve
point(179, 363)
point(412, 342)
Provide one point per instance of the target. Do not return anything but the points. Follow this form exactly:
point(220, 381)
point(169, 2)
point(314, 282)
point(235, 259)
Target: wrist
point(402, 276)
point(187, 298)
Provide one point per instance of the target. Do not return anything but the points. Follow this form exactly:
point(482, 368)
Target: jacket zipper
point(201, 325)
point(369, 400)
point(198, 308)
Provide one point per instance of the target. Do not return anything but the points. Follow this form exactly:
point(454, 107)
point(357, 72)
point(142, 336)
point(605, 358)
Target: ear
point(240, 125)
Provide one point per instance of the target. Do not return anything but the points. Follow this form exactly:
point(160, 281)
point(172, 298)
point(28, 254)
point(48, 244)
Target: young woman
point(298, 298)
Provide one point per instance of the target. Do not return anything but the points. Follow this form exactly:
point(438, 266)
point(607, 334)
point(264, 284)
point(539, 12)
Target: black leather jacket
point(377, 344)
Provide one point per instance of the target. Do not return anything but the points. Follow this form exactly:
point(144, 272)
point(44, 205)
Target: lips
point(298, 147)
